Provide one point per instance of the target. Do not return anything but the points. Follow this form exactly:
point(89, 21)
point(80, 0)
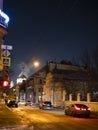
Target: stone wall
point(92, 105)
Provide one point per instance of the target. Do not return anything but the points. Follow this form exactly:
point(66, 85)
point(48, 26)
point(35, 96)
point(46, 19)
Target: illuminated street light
point(36, 63)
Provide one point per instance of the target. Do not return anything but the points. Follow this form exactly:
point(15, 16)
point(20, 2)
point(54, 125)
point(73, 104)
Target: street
point(36, 119)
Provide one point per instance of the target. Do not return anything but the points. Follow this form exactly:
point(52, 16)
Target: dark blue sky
point(50, 29)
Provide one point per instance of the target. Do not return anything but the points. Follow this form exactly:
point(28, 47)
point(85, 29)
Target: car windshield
point(47, 102)
point(80, 105)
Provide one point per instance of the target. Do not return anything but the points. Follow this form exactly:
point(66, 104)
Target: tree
point(86, 60)
point(95, 59)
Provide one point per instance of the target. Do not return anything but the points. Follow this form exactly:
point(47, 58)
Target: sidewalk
point(7, 116)
point(10, 121)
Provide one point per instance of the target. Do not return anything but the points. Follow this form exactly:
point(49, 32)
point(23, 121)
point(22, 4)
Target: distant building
point(20, 87)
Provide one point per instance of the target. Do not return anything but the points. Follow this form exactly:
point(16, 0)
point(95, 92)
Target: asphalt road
point(36, 119)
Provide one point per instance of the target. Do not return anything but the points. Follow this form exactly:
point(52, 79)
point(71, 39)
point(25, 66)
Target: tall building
point(4, 19)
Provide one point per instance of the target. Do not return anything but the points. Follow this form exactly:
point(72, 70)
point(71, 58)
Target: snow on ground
point(20, 127)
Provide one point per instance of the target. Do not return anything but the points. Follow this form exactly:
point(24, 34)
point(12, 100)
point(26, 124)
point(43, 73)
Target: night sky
point(50, 29)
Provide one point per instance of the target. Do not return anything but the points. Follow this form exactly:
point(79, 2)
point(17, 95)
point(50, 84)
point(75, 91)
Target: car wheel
point(66, 113)
point(88, 116)
point(16, 105)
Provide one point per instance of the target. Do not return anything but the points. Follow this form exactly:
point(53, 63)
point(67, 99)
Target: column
point(70, 97)
point(88, 97)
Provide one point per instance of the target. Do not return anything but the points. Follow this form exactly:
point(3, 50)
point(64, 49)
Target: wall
point(92, 105)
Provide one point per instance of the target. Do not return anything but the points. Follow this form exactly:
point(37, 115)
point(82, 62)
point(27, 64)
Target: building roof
point(67, 72)
point(21, 75)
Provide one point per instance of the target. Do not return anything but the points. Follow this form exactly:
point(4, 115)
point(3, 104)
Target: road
point(36, 119)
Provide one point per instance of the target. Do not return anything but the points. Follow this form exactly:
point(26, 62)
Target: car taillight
point(77, 108)
point(88, 109)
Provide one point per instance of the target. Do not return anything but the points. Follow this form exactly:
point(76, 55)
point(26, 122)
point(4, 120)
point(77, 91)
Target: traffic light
point(5, 83)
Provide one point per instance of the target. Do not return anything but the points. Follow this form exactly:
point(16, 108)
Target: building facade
point(56, 81)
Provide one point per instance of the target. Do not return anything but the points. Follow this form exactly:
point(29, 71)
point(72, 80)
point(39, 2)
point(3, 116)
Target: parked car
point(12, 103)
point(28, 103)
point(77, 110)
point(45, 105)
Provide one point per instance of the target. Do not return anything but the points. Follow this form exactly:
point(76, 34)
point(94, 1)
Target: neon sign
point(4, 19)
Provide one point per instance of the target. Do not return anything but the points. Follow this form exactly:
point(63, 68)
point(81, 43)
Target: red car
point(77, 110)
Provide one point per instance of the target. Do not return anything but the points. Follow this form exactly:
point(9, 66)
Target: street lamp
point(36, 63)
